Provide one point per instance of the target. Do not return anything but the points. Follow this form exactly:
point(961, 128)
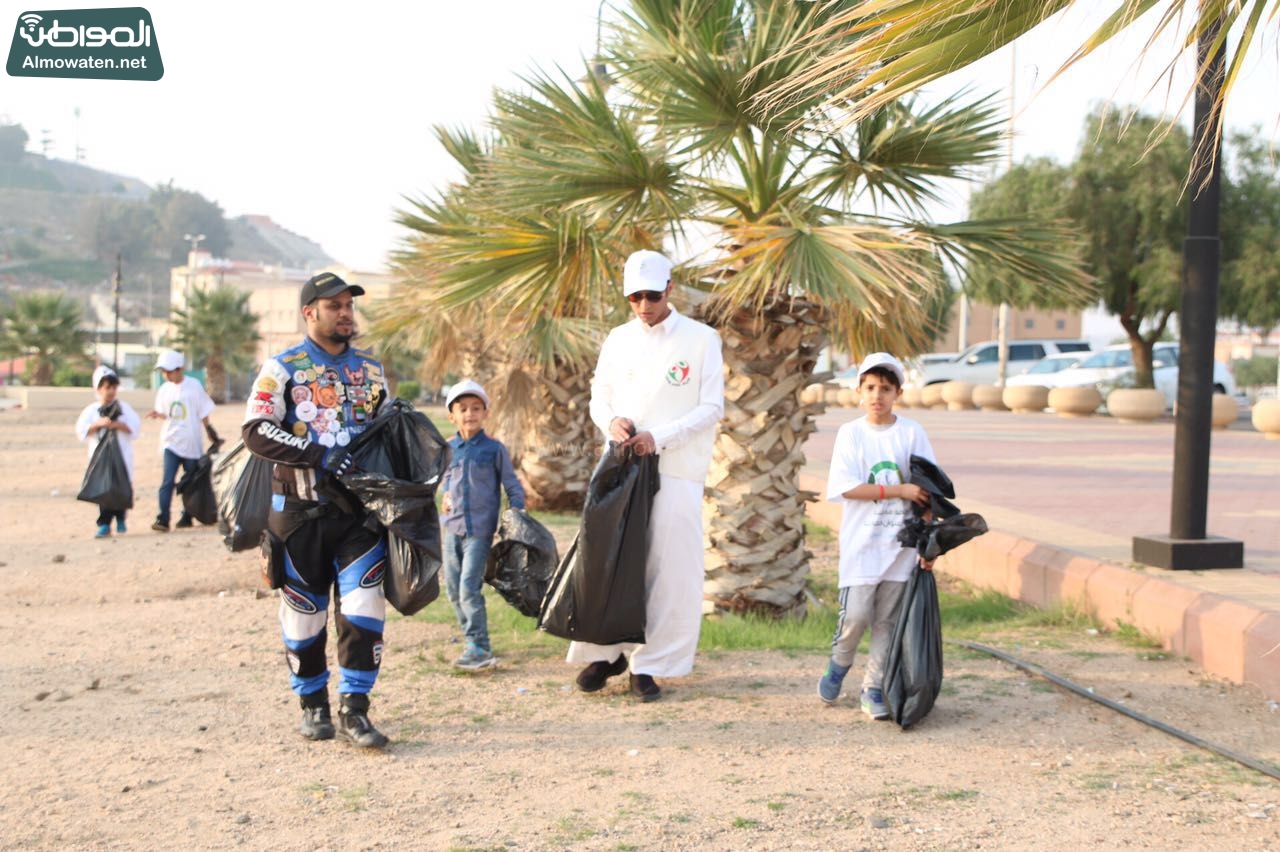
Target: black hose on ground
point(1251, 762)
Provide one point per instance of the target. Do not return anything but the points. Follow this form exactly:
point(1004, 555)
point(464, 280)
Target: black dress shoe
point(594, 676)
point(644, 688)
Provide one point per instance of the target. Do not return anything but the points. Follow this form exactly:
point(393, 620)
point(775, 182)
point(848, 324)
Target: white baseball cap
point(101, 372)
point(466, 387)
point(883, 359)
point(645, 270)
point(170, 360)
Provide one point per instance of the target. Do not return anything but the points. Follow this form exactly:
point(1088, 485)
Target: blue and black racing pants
point(326, 548)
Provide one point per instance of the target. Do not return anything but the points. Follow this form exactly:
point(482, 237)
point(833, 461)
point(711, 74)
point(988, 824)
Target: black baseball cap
point(326, 285)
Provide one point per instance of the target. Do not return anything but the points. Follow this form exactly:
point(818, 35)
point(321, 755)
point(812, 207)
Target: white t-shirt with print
point(185, 406)
point(881, 455)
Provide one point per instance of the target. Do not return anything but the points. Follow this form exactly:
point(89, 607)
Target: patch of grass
point(745, 822)
point(776, 806)
point(957, 795)
point(1131, 635)
point(818, 533)
point(568, 828)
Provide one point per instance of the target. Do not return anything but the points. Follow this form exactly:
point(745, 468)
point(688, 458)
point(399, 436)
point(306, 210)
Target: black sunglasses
point(651, 295)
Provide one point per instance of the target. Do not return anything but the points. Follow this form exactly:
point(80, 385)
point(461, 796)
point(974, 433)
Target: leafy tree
point(46, 328)
point(1256, 371)
point(1251, 235)
point(179, 212)
point(217, 328)
point(578, 177)
point(13, 143)
point(1127, 198)
point(110, 226)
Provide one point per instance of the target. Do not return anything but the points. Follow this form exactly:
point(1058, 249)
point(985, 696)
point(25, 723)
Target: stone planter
point(1136, 405)
point(847, 398)
point(1266, 418)
point(1075, 402)
point(1026, 399)
point(910, 398)
point(958, 395)
point(989, 398)
point(931, 396)
point(1225, 411)
point(811, 394)
point(830, 395)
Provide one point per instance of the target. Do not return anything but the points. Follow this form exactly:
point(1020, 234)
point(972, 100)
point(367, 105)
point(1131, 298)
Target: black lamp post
point(115, 290)
point(1187, 546)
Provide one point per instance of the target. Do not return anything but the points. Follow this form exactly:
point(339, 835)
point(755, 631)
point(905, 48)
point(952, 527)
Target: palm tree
point(217, 328)
point(581, 177)
point(878, 51)
point(46, 328)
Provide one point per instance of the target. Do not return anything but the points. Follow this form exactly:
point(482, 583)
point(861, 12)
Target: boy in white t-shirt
point(183, 405)
point(109, 414)
point(870, 474)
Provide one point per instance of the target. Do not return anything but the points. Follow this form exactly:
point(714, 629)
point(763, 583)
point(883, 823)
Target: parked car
point(1043, 371)
point(848, 377)
point(980, 362)
point(1113, 367)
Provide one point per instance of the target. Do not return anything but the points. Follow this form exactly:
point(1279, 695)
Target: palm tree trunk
point(559, 445)
point(754, 507)
point(215, 376)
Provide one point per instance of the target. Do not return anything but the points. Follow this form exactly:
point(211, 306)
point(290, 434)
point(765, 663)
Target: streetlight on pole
point(195, 240)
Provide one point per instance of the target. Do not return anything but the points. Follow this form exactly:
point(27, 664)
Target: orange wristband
point(881, 492)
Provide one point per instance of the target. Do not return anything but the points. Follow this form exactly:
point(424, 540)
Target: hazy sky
point(320, 114)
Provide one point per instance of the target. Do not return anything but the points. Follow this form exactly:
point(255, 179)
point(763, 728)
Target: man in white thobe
point(659, 388)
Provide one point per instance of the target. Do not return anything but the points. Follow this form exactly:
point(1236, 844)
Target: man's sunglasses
point(650, 295)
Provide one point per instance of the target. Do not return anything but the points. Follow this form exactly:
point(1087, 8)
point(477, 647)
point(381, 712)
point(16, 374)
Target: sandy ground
point(145, 705)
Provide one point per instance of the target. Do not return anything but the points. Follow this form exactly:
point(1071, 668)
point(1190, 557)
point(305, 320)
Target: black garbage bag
point(242, 486)
point(399, 459)
point(411, 580)
point(196, 488)
point(913, 670)
point(597, 593)
point(106, 479)
point(522, 561)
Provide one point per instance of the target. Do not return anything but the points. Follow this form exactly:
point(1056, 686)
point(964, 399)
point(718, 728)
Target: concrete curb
point(1229, 638)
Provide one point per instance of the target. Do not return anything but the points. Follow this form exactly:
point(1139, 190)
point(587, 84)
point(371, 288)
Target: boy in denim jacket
point(472, 486)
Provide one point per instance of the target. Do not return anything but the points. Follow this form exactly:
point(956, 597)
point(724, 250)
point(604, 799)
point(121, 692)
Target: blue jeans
point(172, 461)
point(464, 563)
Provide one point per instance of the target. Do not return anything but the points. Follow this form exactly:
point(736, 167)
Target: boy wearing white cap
point(109, 414)
point(870, 474)
point(183, 405)
point(479, 470)
point(659, 388)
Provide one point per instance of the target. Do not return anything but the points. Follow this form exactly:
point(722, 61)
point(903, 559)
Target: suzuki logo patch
point(373, 577)
point(298, 601)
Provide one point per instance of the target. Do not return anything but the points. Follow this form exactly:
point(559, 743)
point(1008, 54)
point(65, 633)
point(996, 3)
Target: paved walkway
point(1053, 489)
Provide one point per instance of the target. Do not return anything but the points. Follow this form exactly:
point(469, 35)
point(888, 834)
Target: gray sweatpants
point(875, 605)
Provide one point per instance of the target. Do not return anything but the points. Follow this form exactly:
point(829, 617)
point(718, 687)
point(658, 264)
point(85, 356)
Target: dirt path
point(146, 706)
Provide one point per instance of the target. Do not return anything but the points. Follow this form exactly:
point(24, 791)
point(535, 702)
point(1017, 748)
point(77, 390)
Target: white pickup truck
point(980, 362)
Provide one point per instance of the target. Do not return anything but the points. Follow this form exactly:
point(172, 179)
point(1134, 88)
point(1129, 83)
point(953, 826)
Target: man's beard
point(336, 336)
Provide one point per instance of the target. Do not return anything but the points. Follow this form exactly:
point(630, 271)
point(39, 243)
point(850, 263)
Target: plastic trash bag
point(196, 488)
point(522, 561)
point(410, 581)
point(242, 487)
point(913, 670)
point(597, 593)
point(399, 459)
point(106, 479)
